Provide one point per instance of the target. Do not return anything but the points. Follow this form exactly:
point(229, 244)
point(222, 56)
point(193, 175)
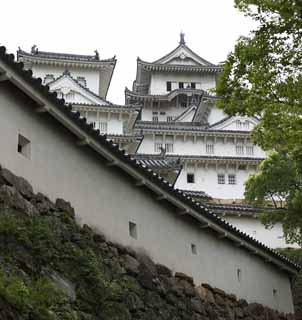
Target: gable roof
point(228, 120)
point(47, 101)
point(184, 54)
point(90, 96)
point(64, 56)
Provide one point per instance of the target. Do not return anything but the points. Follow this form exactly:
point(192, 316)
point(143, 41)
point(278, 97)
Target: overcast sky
point(125, 28)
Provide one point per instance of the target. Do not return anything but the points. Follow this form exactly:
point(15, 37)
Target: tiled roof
point(200, 157)
point(130, 166)
point(159, 163)
point(183, 126)
point(64, 56)
point(171, 95)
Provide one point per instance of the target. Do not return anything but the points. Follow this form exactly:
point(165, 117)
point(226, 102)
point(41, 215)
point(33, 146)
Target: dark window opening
point(180, 85)
point(23, 146)
point(190, 178)
point(193, 85)
point(169, 87)
point(132, 230)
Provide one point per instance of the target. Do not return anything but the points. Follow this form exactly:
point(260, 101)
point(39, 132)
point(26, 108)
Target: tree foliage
point(263, 78)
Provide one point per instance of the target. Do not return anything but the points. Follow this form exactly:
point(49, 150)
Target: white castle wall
point(105, 198)
point(159, 79)
point(197, 147)
point(252, 226)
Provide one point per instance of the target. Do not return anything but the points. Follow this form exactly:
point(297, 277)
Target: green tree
point(263, 78)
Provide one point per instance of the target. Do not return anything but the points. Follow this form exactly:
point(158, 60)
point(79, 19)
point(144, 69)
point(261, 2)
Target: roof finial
point(182, 38)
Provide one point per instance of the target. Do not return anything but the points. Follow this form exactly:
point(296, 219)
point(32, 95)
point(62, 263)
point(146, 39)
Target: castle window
point(193, 248)
point(275, 293)
point(155, 118)
point(169, 119)
point(103, 126)
point(180, 85)
point(193, 85)
point(169, 147)
point(154, 112)
point(246, 125)
point(132, 230)
point(210, 148)
point(221, 179)
point(238, 124)
point(169, 144)
point(239, 149)
point(241, 167)
point(23, 146)
point(158, 147)
point(190, 178)
point(49, 78)
point(232, 178)
point(82, 81)
point(249, 150)
point(169, 87)
point(162, 113)
point(239, 275)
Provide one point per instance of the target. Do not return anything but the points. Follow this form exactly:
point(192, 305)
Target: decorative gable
point(235, 124)
point(73, 92)
point(183, 55)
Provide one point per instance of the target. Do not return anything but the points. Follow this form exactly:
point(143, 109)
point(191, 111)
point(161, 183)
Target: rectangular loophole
point(239, 275)
point(23, 146)
point(132, 230)
point(193, 248)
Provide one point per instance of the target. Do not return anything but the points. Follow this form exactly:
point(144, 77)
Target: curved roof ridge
point(64, 56)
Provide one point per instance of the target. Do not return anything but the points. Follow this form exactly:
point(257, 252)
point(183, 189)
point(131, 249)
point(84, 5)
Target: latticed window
point(249, 150)
point(103, 126)
point(232, 178)
point(238, 124)
point(221, 179)
point(169, 119)
point(155, 118)
point(239, 149)
point(169, 147)
point(210, 148)
point(158, 147)
point(49, 78)
point(246, 125)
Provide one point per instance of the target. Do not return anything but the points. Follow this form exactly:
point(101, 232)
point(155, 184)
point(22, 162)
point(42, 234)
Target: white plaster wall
point(114, 122)
point(170, 110)
point(104, 197)
point(92, 76)
point(206, 180)
point(189, 146)
point(158, 81)
point(271, 237)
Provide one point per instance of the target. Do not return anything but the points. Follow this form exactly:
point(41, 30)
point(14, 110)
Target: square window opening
point(190, 178)
point(193, 248)
point(23, 146)
point(132, 230)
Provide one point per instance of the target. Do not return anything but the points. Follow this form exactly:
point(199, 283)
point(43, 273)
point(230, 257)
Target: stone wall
point(134, 286)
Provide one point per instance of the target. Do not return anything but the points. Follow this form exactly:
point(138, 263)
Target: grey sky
point(127, 29)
